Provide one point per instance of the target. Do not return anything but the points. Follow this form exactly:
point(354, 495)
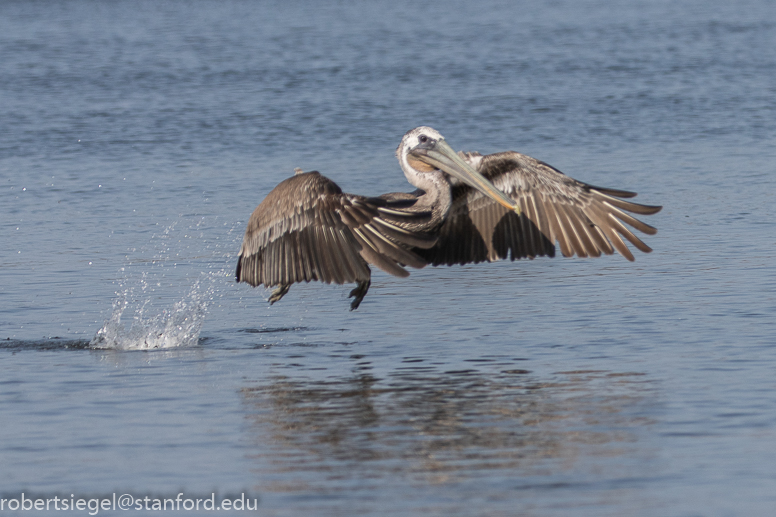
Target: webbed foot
point(278, 293)
point(359, 292)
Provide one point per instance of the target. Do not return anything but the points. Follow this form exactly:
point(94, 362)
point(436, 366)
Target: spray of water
point(177, 326)
point(136, 323)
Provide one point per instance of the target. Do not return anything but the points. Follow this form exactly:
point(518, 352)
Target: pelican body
point(467, 208)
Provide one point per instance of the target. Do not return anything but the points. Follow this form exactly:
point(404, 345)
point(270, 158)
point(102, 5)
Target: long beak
point(441, 156)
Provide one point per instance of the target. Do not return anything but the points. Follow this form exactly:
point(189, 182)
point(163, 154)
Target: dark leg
point(359, 292)
point(278, 293)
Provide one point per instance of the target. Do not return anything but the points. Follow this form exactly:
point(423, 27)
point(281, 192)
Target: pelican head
point(423, 152)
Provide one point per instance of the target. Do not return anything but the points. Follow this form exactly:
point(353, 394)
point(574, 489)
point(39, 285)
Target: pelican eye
point(423, 139)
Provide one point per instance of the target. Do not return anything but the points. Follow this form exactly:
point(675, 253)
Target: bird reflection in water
point(434, 426)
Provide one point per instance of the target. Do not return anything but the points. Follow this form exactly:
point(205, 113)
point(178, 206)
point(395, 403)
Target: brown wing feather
point(307, 229)
point(583, 219)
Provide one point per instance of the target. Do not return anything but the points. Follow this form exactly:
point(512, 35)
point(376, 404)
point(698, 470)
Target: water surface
point(136, 139)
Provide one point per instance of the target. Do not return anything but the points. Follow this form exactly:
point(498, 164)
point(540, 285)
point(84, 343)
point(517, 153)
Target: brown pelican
point(468, 208)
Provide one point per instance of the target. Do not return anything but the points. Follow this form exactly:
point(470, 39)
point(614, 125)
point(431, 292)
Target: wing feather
point(564, 240)
point(626, 218)
point(373, 256)
point(307, 229)
point(583, 219)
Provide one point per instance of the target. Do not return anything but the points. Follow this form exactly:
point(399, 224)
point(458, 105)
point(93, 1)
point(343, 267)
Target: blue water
point(137, 137)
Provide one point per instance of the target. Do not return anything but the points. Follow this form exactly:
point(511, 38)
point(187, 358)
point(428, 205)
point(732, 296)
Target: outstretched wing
point(583, 219)
point(308, 229)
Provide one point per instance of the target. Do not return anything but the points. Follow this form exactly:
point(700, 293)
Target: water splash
point(135, 322)
point(178, 326)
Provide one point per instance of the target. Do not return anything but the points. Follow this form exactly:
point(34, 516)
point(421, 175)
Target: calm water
point(136, 139)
